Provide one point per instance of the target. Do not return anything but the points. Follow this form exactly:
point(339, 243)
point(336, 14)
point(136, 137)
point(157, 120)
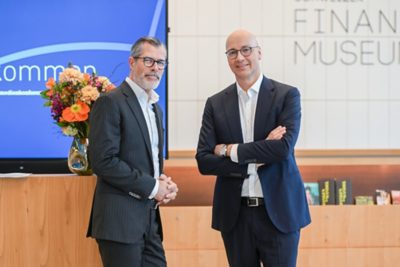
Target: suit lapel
point(264, 104)
point(231, 109)
point(134, 105)
point(160, 131)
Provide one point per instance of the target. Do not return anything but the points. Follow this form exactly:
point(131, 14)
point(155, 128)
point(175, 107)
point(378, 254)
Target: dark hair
point(136, 49)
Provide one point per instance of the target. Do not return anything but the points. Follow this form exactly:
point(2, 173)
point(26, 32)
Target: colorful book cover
point(343, 192)
point(327, 191)
point(312, 193)
point(395, 197)
point(382, 197)
point(364, 200)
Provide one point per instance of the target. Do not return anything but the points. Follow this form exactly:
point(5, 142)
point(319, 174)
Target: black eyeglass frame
point(149, 62)
point(233, 53)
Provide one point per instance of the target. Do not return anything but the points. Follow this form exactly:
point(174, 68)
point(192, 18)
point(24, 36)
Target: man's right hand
point(277, 133)
point(162, 190)
point(167, 189)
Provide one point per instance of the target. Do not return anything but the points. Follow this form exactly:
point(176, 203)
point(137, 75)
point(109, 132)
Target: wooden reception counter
point(43, 220)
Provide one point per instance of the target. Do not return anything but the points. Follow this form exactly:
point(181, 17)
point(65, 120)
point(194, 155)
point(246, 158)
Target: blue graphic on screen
point(40, 38)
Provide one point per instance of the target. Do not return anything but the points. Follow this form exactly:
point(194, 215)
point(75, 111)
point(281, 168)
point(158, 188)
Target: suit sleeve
point(104, 149)
point(273, 151)
point(207, 161)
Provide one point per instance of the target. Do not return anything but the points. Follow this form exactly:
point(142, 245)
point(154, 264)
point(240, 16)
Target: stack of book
point(331, 191)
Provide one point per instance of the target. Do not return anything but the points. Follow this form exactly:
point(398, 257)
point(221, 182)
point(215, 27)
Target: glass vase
point(78, 161)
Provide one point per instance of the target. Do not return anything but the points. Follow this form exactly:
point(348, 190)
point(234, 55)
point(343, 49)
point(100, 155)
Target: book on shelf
point(363, 200)
point(395, 197)
point(327, 191)
point(343, 192)
point(382, 197)
point(312, 193)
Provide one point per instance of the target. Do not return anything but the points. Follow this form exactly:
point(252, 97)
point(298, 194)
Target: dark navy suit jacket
point(282, 186)
point(120, 153)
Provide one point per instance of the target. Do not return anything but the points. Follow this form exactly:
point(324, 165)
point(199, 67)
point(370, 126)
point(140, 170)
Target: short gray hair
point(136, 49)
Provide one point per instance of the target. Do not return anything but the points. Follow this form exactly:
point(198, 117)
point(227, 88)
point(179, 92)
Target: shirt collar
point(253, 90)
point(141, 94)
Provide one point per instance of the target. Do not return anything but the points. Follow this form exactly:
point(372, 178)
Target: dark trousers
point(255, 239)
point(146, 252)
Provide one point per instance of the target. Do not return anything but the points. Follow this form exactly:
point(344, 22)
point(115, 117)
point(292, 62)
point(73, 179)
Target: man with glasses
point(247, 139)
point(126, 152)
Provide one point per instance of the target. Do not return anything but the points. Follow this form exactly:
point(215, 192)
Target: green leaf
point(47, 104)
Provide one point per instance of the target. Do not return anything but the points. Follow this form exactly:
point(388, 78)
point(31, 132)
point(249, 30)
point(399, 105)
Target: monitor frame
point(60, 165)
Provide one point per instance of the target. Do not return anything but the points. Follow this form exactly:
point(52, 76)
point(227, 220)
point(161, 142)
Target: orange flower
point(86, 77)
point(49, 93)
point(76, 112)
point(50, 83)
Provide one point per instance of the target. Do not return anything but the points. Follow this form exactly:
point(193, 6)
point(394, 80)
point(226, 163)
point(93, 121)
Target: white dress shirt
point(247, 108)
point(146, 102)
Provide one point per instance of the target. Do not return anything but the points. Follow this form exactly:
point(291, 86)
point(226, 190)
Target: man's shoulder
point(224, 92)
point(279, 85)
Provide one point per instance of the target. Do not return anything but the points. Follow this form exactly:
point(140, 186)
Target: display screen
point(40, 39)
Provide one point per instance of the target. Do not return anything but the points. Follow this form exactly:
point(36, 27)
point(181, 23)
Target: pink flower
point(89, 93)
point(71, 75)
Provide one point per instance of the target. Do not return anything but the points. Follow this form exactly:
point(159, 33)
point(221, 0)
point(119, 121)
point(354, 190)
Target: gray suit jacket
point(120, 154)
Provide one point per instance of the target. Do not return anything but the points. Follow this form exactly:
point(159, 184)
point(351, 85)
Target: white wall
point(352, 105)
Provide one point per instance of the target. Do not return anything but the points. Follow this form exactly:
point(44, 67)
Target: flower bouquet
point(70, 100)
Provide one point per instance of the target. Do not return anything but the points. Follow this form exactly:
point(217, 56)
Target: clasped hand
point(167, 189)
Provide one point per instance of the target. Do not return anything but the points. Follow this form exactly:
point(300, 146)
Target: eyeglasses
point(245, 51)
point(149, 62)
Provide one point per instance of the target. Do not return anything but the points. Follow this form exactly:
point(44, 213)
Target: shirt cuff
point(233, 154)
point(155, 190)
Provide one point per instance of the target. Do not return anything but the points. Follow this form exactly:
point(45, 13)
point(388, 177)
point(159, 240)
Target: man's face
point(244, 67)
point(147, 78)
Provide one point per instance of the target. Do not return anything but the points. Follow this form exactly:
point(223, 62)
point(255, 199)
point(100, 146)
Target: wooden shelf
point(43, 221)
point(313, 157)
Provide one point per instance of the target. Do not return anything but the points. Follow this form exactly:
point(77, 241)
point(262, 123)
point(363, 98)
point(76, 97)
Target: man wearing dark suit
point(126, 145)
point(247, 139)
